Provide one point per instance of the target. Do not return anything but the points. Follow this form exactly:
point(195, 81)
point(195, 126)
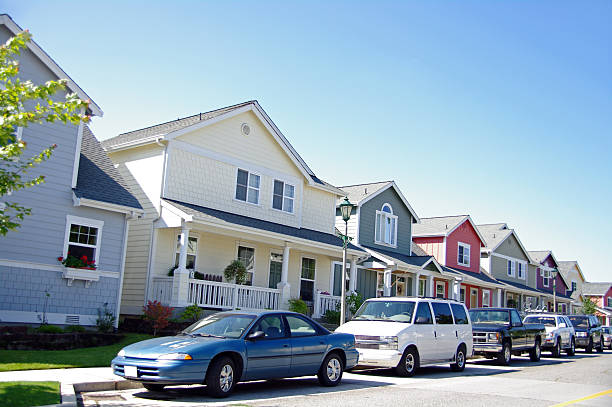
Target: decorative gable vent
point(245, 129)
point(72, 320)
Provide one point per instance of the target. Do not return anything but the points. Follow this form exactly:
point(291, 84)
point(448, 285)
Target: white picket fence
point(323, 303)
point(231, 296)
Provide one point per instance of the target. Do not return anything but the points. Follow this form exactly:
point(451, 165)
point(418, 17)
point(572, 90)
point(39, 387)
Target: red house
point(601, 295)
point(455, 243)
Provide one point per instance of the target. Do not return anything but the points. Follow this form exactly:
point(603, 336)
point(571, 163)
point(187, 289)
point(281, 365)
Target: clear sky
point(498, 109)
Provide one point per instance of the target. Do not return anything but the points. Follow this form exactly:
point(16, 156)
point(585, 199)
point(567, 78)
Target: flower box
point(87, 275)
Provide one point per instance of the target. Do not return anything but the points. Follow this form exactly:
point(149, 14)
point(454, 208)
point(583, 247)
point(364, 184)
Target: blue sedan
point(228, 347)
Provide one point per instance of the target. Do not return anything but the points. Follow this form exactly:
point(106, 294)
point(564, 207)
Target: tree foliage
point(588, 306)
point(23, 103)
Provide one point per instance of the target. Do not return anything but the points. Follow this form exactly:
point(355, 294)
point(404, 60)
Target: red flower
point(84, 258)
point(60, 258)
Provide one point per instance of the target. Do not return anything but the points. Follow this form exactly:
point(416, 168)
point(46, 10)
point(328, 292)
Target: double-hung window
point(307, 279)
point(511, 268)
point(520, 270)
point(247, 187)
point(83, 238)
point(386, 226)
point(463, 254)
point(247, 256)
point(283, 196)
point(546, 277)
point(575, 286)
point(192, 251)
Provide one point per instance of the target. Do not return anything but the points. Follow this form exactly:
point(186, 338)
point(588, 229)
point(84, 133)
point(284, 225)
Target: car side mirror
point(562, 325)
point(421, 320)
point(253, 336)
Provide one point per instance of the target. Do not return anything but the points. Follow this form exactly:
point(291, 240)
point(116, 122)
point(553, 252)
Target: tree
point(23, 103)
point(588, 306)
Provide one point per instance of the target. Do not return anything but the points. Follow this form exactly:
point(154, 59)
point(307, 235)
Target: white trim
point(502, 256)
point(176, 211)
point(382, 215)
point(92, 203)
point(122, 270)
point(52, 267)
point(469, 249)
point(273, 250)
point(77, 153)
point(314, 280)
point(443, 285)
point(190, 234)
point(54, 318)
point(51, 64)
point(248, 186)
point(241, 243)
point(283, 196)
point(444, 250)
point(331, 275)
point(402, 197)
point(485, 291)
point(70, 219)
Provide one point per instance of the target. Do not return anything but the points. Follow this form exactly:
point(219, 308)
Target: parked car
point(406, 333)
point(499, 333)
point(228, 347)
point(588, 332)
point(560, 334)
point(607, 336)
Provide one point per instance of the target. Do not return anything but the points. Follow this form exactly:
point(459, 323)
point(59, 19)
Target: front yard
point(100, 356)
point(25, 394)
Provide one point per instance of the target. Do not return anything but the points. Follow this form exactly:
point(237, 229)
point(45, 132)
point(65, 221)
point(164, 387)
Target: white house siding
point(319, 211)
point(352, 225)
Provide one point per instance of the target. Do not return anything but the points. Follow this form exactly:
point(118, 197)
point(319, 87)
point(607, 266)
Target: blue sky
point(502, 110)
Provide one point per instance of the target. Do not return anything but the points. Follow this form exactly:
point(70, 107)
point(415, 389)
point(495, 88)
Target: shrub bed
point(56, 341)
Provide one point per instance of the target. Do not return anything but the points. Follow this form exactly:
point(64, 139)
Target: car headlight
point(493, 337)
point(388, 342)
point(121, 353)
point(176, 356)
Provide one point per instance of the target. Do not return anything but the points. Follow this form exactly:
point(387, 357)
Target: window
point(247, 187)
point(247, 256)
point(546, 277)
point(574, 286)
point(307, 279)
point(511, 266)
point(462, 295)
point(459, 313)
point(520, 270)
point(422, 284)
point(442, 312)
point(463, 254)
point(276, 268)
point(272, 326)
point(609, 302)
point(423, 315)
point(300, 327)
point(486, 298)
point(386, 226)
point(282, 197)
point(192, 251)
point(440, 292)
point(83, 238)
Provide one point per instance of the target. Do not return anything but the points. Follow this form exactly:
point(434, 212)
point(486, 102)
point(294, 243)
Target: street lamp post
point(345, 210)
point(553, 273)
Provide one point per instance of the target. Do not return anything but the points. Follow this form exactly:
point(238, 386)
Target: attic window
point(386, 226)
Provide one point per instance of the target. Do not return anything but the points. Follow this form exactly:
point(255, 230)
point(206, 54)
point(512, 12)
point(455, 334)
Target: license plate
point(130, 371)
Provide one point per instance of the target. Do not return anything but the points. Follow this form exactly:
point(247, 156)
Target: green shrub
point(332, 317)
point(353, 302)
point(50, 329)
point(235, 272)
point(74, 328)
point(191, 313)
point(106, 319)
point(298, 305)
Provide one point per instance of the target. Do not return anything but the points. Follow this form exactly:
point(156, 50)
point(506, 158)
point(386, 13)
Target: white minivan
point(409, 332)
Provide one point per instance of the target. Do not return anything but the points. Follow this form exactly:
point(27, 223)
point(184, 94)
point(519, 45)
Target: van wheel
point(572, 349)
point(409, 363)
point(536, 352)
point(505, 356)
point(556, 350)
point(459, 364)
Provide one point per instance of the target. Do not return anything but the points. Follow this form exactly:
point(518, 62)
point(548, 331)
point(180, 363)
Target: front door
point(269, 356)
point(473, 298)
point(276, 267)
point(307, 346)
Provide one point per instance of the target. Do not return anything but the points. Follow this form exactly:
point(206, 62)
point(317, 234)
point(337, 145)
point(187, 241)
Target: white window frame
point(545, 277)
point(249, 173)
point(379, 221)
point(248, 246)
point(77, 220)
point(464, 289)
point(285, 183)
point(277, 252)
point(469, 250)
point(486, 293)
point(521, 270)
point(314, 280)
point(512, 271)
point(422, 294)
point(443, 285)
point(574, 285)
point(178, 249)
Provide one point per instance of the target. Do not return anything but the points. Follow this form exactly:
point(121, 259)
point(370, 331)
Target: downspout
point(122, 269)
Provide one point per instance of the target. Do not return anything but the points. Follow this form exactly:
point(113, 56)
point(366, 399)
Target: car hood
point(489, 328)
point(153, 348)
point(369, 328)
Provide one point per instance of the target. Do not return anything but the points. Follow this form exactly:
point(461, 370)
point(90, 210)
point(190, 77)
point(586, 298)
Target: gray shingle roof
point(522, 286)
point(359, 192)
point(98, 179)
point(596, 288)
point(494, 233)
point(417, 251)
point(478, 276)
point(539, 255)
point(567, 265)
point(418, 261)
point(437, 226)
point(210, 214)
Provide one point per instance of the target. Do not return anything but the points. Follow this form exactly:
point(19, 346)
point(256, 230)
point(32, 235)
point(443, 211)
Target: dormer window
point(463, 254)
point(386, 226)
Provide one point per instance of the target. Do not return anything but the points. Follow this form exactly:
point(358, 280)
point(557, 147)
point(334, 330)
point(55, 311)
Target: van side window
point(460, 314)
point(423, 314)
point(442, 312)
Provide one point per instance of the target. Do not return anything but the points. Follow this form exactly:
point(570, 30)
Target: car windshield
point(546, 321)
point(490, 317)
point(580, 322)
point(223, 325)
point(396, 311)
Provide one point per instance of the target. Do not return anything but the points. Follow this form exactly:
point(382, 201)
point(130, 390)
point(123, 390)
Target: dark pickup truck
point(499, 333)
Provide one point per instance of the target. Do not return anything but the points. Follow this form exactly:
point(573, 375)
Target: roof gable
point(566, 266)
point(362, 193)
point(540, 256)
point(497, 233)
point(444, 226)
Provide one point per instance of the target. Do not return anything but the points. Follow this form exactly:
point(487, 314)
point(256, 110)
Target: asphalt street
point(582, 380)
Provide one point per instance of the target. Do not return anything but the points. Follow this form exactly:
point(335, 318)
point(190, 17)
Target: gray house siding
point(499, 266)
point(367, 222)
point(510, 247)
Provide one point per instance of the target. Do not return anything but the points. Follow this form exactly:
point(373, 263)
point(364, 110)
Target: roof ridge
point(440, 217)
point(366, 183)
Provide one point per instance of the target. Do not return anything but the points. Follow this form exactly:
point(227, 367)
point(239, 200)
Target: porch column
point(499, 297)
point(180, 282)
point(284, 286)
point(387, 283)
point(430, 286)
point(456, 289)
point(353, 276)
point(415, 289)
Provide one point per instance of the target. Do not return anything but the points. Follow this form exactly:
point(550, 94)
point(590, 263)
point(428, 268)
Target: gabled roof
point(473, 278)
point(361, 193)
point(171, 130)
point(98, 179)
point(8, 22)
point(443, 226)
point(416, 261)
point(540, 255)
point(596, 289)
point(566, 266)
point(497, 233)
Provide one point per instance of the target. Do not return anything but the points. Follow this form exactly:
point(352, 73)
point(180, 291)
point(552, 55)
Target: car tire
point(536, 352)
point(330, 372)
point(556, 350)
point(571, 351)
point(409, 363)
point(459, 365)
point(589, 347)
point(600, 348)
point(153, 386)
point(505, 356)
point(221, 377)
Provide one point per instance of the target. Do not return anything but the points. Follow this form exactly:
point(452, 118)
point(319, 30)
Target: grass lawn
point(25, 394)
point(60, 359)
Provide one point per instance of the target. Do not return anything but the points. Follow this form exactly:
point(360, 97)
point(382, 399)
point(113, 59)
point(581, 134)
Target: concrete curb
point(69, 391)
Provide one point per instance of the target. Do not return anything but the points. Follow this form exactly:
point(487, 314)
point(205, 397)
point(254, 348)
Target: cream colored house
point(221, 186)
point(572, 273)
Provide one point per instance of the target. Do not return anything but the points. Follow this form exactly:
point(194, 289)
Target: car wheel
point(589, 348)
point(600, 347)
point(330, 372)
point(536, 352)
point(505, 356)
point(459, 364)
point(409, 363)
point(572, 349)
point(556, 350)
point(221, 377)
point(153, 386)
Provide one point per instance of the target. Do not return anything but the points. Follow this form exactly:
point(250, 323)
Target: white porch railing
point(323, 303)
point(161, 290)
point(230, 296)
